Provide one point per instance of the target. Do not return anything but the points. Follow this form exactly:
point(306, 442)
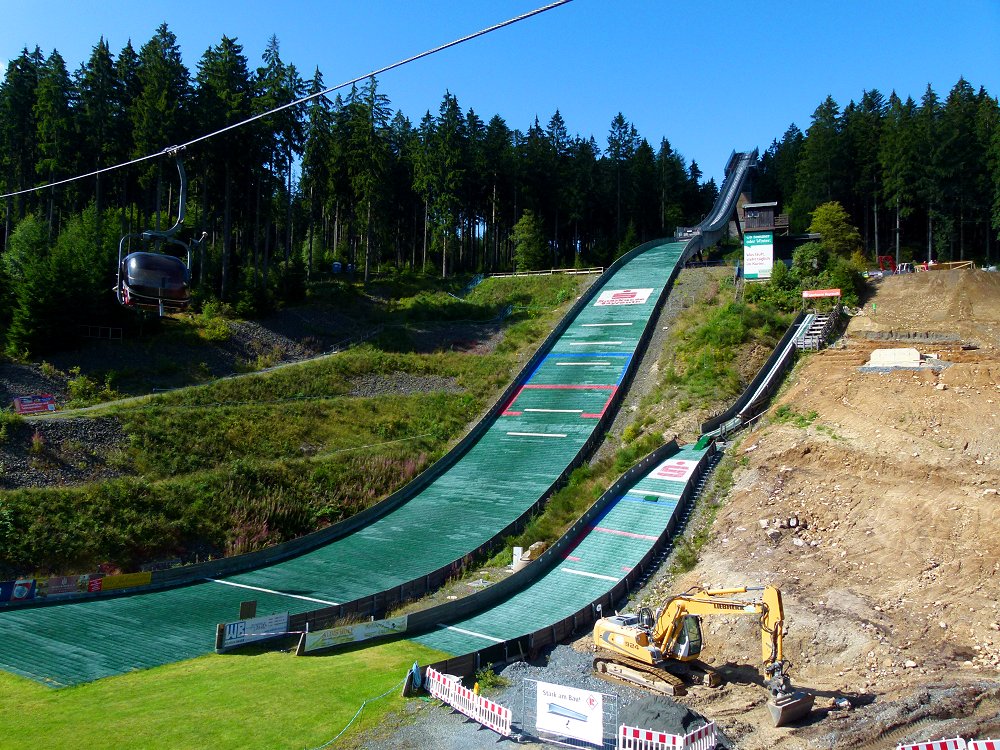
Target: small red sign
point(95, 584)
point(34, 404)
point(813, 293)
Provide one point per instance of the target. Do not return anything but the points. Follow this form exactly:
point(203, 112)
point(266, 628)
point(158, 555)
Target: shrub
point(489, 681)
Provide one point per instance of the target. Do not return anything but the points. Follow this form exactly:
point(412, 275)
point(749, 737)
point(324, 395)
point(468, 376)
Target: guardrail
point(550, 272)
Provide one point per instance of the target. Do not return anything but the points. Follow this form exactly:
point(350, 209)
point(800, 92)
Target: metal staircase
point(815, 336)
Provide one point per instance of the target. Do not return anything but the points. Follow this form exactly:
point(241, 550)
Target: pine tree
point(448, 171)
point(18, 128)
point(498, 156)
point(224, 96)
point(862, 125)
point(317, 160)
point(100, 118)
point(158, 111)
point(961, 160)
point(622, 142)
point(928, 126)
point(368, 159)
point(818, 176)
point(54, 128)
point(900, 161)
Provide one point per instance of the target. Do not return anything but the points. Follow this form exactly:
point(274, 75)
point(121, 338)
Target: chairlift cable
point(173, 150)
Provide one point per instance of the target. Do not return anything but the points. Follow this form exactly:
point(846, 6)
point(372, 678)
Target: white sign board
point(758, 255)
point(623, 297)
point(362, 631)
point(242, 632)
point(570, 712)
point(674, 470)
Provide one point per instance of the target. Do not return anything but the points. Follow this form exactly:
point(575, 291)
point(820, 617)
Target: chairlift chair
point(151, 278)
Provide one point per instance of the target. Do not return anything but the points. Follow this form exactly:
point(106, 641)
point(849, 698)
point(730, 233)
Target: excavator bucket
point(790, 707)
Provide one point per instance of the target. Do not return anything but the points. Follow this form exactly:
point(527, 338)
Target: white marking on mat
point(272, 591)
point(602, 325)
point(558, 411)
point(537, 434)
point(588, 575)
point(580, 364)
point(473, 633)
point(592, 343)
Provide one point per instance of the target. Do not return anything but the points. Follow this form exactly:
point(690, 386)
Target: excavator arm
point(708, 602)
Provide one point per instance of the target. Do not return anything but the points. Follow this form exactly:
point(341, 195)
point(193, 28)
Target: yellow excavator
point(647, 649)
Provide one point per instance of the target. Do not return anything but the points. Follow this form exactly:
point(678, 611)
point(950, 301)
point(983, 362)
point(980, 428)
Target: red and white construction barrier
point(954, 744)
point(983, 745)
point(440, 685)
point(448, 689)
point(633, 738)
point(702, 738)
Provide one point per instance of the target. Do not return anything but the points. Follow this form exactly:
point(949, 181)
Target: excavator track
point(614, 669)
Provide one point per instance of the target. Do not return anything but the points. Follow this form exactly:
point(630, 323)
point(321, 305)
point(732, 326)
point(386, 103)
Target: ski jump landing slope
point(551, 416)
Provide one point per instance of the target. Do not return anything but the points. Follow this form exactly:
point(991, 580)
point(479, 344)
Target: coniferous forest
point(443, 192)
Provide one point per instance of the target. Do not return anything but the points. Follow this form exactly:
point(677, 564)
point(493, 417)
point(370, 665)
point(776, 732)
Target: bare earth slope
point(890, 569)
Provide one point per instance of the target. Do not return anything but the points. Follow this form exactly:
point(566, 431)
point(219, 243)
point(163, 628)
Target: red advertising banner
point(623, 297)
point(674, 470)
point(95, 584)
point(34, 404)
point(814, 293)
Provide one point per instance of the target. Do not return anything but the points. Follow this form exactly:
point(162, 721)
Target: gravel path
point(431, 724)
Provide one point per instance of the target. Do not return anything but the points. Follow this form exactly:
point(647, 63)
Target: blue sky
point(711, 75)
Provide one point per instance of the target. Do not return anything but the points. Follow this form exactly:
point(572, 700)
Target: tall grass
point(247, 462)
point(702, 362)
point(243, 506)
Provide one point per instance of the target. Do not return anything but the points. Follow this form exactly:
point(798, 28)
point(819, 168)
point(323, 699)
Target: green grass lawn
point(268, 701)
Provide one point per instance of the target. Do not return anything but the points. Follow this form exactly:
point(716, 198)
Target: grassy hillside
point(242, 463)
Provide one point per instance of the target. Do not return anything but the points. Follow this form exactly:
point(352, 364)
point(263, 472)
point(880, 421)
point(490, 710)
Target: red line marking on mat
point(567, 387)
point(627, 568)
point(629, 534)
point(574, 558)
point(506, 409)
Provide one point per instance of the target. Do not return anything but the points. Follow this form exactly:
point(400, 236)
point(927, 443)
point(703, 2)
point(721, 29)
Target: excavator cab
point(687, 644)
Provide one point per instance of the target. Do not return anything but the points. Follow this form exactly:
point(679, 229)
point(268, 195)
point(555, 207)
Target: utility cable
point(172, 150)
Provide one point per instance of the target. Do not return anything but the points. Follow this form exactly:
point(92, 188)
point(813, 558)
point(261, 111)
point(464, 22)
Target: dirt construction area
point(870, 498)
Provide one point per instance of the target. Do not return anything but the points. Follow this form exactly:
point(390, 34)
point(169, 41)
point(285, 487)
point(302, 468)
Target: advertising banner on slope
point(126, 581)
point(34, 404)
point(623, 297)
point(570, 712)
point(62, 586)
point(758, 255)
point(242, 632)
point(21, 590)
point(362, 631)
point(674, 470)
